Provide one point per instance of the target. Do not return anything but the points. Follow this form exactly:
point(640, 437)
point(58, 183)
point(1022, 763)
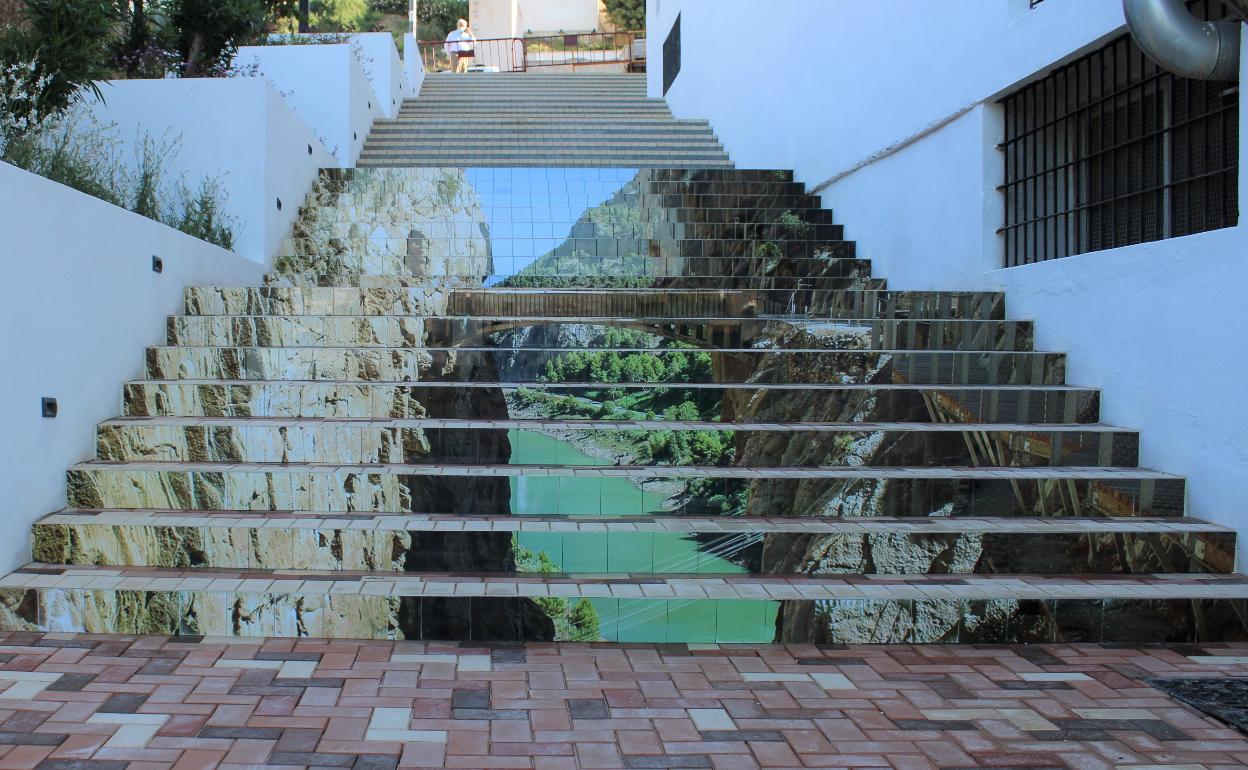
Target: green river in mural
point(709, 620)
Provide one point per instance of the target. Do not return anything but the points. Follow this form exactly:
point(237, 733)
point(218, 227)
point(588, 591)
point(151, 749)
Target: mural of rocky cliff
point(602, 404)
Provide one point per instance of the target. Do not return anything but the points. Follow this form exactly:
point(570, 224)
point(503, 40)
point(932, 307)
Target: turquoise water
point(625, 620)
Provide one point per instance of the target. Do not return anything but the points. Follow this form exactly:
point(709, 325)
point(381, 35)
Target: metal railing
point(520, 54)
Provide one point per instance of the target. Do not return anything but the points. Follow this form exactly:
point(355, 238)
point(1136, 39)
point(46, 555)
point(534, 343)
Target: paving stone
point(581, 708)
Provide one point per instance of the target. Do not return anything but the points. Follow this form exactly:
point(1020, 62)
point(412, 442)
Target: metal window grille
point(1111, 150)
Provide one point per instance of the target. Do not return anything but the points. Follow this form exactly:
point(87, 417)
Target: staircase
point(588, 119)
point(608, 403)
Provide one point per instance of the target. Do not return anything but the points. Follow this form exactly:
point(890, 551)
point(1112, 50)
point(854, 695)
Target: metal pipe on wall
point(1179, 42)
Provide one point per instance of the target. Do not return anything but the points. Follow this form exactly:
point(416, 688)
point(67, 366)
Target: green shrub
point(207, 33)
point(76, 152)
point(68, 42)
point(436, 18)
point(342, 16)
point(627, 14)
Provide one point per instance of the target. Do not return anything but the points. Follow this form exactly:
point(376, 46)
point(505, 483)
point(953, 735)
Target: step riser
point(624, 553)
point(392, 331)
point(399, 365)
point(361, 233)
point(754, 179)
point(576, 304)
point(363, 213)
point(576, 256)
point(330, 443)
point(541, 163)
point(394, 491)
point(606, 278)
point(850, 621)
point(345, 400)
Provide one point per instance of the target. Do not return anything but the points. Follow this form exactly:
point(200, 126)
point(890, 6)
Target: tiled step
point(666, 303)
point(702, 231)
point(545, 162)
point(650, 303)
point(574, 256)
point(681, 442)
point(626, 490)
point(552, 146)
point(408, 364)
point(598, 273)
point(859, 609)
point(914, 403)
point(402, 331)
point(363, 211)
point(512, 123)
point(630, 130)
point(674, 179)
point(635, 545)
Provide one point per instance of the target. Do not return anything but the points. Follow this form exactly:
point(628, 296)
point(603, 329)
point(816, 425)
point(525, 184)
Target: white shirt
point(459, 41)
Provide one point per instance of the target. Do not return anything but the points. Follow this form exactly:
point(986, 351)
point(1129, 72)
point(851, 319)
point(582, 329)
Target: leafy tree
point(342, 16)
point(436, 18)
point(207, 33)
point(584, 620)
point(70, 44)
point(627, 14)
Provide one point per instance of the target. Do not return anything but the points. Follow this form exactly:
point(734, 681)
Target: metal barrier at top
point(519, 54)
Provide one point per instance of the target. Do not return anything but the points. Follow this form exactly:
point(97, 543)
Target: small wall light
point(279, 204)
point(49, 407)
point(158, 264)
point(309, 149)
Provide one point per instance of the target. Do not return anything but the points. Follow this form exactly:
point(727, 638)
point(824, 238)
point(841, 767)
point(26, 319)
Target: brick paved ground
point(85, 701)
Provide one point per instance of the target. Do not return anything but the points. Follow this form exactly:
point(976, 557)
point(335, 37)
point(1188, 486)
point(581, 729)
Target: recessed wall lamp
point(48, 406)
point(158, 264)
point(279, 204)
point(309, 149)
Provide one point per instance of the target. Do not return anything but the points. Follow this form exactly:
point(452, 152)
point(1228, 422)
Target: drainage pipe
point(1177, 41)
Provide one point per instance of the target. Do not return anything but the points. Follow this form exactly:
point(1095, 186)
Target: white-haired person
point(460, 46)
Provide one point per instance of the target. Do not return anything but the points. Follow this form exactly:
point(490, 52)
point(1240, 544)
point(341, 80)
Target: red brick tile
point(423, 755)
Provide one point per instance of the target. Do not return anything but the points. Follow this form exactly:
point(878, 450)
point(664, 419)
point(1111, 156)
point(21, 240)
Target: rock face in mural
point(556, 404)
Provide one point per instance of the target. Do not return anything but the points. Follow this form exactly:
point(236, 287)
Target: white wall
point(384, 69)
point(80, 303)
point(413, 66)
point(889, 109)
point(237, 129)
point(326, 86)
point(551, 16)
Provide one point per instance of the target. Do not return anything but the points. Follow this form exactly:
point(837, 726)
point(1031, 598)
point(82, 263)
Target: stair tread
point(749, 587)
point(608, 425)
point(606, 523)
point(645, 471)
point(707, 385)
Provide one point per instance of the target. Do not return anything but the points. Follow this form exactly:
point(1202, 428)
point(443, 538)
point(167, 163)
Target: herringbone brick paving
point(103, 702)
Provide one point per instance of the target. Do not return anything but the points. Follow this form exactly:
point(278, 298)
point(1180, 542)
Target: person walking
point(460, 46)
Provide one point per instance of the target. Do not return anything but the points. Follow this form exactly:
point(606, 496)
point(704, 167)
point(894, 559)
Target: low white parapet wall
point(80, 302)
point(326, 85)
point(237, 130)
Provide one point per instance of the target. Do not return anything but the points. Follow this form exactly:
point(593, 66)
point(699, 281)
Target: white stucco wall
point(889, 108)
point(413, 66)
point(78, 305)
point(236, 129)
point(551, 16)
point(327, 88)
point(384, 69)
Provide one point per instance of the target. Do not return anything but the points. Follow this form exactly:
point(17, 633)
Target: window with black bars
point(1111, 150)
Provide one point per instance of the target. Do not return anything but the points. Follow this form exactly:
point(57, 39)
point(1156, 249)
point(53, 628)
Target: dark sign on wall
point(671, 55)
